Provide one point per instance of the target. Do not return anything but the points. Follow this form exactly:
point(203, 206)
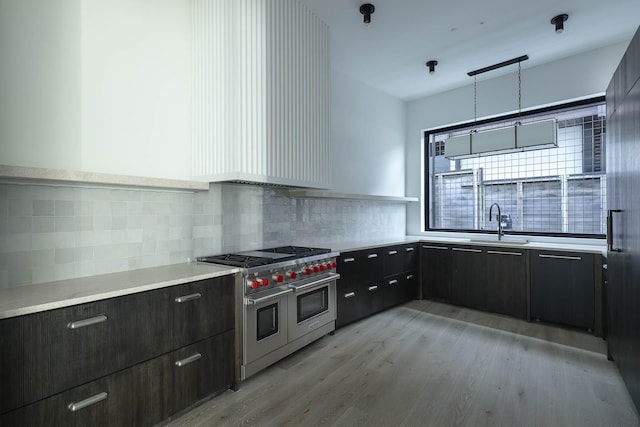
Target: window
point(548, 191)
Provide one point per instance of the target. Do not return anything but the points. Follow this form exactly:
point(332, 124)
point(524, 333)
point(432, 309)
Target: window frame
point(511, 116)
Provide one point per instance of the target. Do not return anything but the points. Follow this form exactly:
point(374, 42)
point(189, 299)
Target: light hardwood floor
point(431, 364)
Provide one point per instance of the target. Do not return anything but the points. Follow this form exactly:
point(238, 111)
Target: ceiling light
point(558, 21)
point(432, 66)
point(366, 10)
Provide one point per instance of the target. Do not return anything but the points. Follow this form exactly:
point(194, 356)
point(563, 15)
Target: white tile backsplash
point(51, 233)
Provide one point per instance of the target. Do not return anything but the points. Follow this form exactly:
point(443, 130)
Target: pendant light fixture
point(516, 137)
point(367, 10)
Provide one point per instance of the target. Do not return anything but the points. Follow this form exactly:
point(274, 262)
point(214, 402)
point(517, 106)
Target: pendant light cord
point(519, 91)
point(475, 99)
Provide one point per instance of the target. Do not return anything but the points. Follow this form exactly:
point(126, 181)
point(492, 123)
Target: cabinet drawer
point(198, 310)
point(398, 259)
point(399, 288)
point(348, 267)
point(11, 364)
point(350, 303)
point(144, 394)
point(108, 401)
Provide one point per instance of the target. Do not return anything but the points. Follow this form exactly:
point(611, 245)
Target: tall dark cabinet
point(623, 234)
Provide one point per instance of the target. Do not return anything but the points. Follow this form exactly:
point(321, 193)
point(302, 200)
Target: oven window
point(312, 303)
point(267, 319)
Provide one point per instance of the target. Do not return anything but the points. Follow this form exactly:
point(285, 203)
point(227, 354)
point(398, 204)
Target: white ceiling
point(463, 35)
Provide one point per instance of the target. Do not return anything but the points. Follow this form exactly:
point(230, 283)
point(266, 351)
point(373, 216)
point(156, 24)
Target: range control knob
point(278, 278)
point(329, 266)
point(316, 268)
point(292, 275)
point(308, 271)
point(322, 267)
point(265, 282)
point(334, 264)
point(255, 284)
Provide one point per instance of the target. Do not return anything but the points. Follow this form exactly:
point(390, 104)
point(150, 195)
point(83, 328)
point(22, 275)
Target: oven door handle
point(254, 301)
point(319, 282)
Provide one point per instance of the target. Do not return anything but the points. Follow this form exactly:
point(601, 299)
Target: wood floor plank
point(431, 364)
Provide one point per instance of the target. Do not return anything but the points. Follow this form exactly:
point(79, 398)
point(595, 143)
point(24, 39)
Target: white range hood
point(261, 93)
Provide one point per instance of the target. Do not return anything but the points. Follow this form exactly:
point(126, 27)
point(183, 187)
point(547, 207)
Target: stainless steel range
point(289, 300)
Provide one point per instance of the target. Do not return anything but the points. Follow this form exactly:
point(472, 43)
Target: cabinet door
point(11, 364)
point(562, 288)
point(436, 271)
point(506, 282)
point(468, 280)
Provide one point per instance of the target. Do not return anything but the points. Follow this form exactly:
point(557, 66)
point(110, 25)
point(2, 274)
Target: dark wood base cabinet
point(132, 360)
point(562, 288)
point(483, 278)
point(376, 279)
point(142, 395)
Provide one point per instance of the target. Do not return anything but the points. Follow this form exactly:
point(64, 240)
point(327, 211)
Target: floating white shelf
point(68, 177)
point(321, 194)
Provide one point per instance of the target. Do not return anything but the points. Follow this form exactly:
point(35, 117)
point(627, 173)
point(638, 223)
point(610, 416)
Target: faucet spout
point(498, 218)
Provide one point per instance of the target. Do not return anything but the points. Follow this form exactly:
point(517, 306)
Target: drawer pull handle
point(373, 288)
point(87, 322)
point(442, 248)
point(411, 276)
point(350, 295)
point(372, 256)
point(76, 406)
point(393, 252)
point(187, 360)
point(573, 258)
point(504, 253)
point(191, 297)
point(408, 249)
point(349, 260)
point(467, 250)
point(393, 282)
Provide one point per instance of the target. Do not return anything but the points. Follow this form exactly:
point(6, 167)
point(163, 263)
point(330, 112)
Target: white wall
point(98, 86)
point(39, 90)
point(367, 139)
point(136, 83)
point(574, 77)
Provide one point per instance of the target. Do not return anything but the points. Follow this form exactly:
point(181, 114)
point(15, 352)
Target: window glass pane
point(553, 189)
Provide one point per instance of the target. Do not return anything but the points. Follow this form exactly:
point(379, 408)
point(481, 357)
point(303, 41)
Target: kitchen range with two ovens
point(289, 300)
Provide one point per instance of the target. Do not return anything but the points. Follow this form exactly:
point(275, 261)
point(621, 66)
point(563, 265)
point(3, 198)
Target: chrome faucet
point(498, 218)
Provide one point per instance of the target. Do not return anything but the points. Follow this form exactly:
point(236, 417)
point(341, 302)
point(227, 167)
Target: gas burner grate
point(298, 250)
point(237, 260)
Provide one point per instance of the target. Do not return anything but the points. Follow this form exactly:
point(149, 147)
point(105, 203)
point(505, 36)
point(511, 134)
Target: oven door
point(265, 323)
point(312, 305)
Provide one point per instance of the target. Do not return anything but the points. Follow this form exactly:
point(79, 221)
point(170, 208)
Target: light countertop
point(508, 241)
point(29, 299)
